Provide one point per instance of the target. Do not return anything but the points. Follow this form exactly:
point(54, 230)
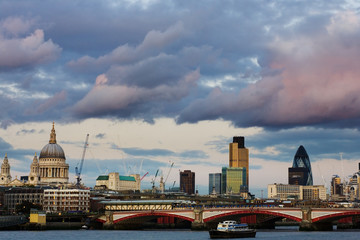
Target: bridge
point(122, 213)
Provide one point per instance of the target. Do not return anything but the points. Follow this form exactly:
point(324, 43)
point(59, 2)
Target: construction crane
point(144, 176)
point(153, 181)
point(78, 170)
point(172, 164)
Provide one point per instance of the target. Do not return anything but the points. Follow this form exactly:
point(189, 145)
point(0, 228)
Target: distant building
point(116, 182)
point(239, 156)
point(5, 177)
point(337, 188)
point(298, 176)
point(300, 173)
point(64, 200)
point(52, 166)
point(234, 181)
point(215, 183)
point(286, 191)
point(17, 195)
point(187, 182)
point(352, 189)
point(50, 169)
point(283, 191)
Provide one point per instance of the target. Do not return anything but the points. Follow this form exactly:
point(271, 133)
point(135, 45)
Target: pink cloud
point(24, 51)
point(104, 97)
point(318, 83)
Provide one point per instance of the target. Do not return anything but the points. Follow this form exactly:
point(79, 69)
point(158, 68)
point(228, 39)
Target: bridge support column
point(198, 223)
point(109, 224)
point(307, 224)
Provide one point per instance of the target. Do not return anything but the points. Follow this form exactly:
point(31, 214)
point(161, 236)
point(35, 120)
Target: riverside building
point(287, 191)
point(64, 200)
point(114, 181)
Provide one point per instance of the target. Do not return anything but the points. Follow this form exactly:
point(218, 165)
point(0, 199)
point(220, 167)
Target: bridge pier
point(318, 226)
point(109, 224)
point(198, 223)
point(307, 225)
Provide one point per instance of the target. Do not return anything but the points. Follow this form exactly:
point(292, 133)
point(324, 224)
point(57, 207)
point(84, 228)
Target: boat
point(232, 229)
point(84, 227)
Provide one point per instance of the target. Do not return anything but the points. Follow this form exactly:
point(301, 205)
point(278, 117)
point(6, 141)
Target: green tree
point(26, 206)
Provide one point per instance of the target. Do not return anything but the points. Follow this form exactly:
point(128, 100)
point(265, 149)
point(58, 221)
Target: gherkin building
point(301, 160)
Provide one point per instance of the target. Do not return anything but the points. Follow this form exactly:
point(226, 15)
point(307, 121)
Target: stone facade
point(114, 181)
point(64, 200)
point(5, 177)
point(50, 169)
point(53, 168)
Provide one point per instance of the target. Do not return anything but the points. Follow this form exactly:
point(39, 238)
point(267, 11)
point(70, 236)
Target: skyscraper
point(239, 156)
point(215, 182)
point(187, 182)
point(234, 180)
point(336, 187)
point(300, 172)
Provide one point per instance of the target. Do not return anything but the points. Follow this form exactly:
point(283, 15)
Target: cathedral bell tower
point(34, 176)
point(5, 177)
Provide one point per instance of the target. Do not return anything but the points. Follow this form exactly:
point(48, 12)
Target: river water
point(167, 235)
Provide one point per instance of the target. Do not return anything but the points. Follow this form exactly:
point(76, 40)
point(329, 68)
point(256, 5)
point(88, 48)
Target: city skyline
point(158, 82)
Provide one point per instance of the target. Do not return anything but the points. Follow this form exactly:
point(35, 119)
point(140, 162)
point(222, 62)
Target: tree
point(26, 206)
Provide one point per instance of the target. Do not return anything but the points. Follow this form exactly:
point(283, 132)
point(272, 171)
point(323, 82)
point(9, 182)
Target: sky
point(159, 82)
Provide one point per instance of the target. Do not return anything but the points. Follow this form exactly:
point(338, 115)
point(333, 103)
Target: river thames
point(167, 235)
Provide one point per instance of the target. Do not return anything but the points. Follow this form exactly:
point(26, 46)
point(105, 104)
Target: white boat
point(232, 229)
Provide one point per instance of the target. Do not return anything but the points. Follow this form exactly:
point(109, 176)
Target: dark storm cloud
point(319, 143)
point(254, 63)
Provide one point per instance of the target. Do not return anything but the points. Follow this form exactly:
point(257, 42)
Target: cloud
point(27, 51)
point(123, 100)
point(317, 83)
point(25, 131)
point(49, 103)
point(100, 135)
point(154, 42)
point(147, 152)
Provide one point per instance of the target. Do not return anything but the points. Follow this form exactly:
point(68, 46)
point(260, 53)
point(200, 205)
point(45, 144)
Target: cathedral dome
point(52, 149)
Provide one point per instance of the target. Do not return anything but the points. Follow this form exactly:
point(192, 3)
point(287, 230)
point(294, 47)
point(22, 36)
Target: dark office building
point(300, 172)
point(298, 176)
point(187, 182)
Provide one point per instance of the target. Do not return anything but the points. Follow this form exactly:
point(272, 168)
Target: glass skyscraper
point(300, 173)
point(234, 180)
point(215, 182)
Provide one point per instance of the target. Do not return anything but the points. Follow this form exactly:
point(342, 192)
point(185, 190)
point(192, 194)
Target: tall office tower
point(298, 176)
point(301, 168)
point(234, 180)
point(239, 155)
point(187, 182)
point(215, 183)
point(336, 186)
